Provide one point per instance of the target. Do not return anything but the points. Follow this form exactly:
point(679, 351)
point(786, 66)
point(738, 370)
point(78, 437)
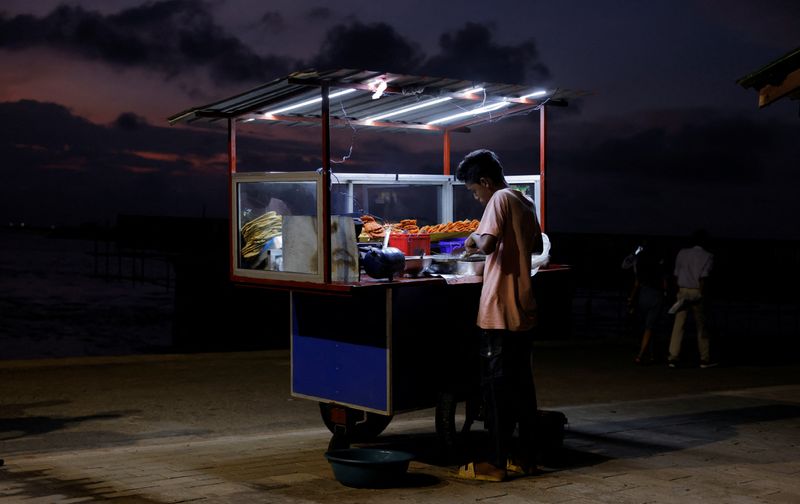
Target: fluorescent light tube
point(420, 105)
point(473, 112)
point(534, 94)
point(309, 102)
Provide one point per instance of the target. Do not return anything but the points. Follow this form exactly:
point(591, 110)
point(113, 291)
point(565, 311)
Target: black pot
point(383, 263)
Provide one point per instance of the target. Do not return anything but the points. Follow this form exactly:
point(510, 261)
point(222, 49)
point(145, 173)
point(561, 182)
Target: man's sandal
point(518, 467)
point(468, 472)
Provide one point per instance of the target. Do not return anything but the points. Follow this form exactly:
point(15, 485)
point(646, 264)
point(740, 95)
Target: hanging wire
point(352, 138)
point(356, 204)
point(357, 207)
point(483, 104)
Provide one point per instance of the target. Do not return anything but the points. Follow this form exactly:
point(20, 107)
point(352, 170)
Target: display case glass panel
point(465, 206)
point(276, 231)
point(391, 202)
point(529, 186)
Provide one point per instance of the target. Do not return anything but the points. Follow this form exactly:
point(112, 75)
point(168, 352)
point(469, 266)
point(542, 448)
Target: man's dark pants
point(509, 393)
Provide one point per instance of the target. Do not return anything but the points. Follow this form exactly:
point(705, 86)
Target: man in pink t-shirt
point(508, 234)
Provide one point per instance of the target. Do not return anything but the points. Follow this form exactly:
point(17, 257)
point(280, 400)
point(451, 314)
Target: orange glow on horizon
point(218, 163)
point(140, 169)
point(156, 156)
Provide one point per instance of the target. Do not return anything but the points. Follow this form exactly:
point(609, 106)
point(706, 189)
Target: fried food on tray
point(374, 230)
point(465, 226)
point(406, 226)
point(371, 230)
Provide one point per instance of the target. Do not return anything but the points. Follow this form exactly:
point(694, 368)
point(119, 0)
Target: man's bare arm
point(483, 243)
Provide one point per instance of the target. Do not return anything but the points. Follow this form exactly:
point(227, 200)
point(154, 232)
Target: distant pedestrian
point(647, 296)
point(630, 260)
point(692, 268)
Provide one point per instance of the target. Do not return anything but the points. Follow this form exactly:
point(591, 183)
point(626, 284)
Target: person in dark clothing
point(647, 297)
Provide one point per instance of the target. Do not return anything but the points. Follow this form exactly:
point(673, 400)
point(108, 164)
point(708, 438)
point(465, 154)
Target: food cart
point(368, 348)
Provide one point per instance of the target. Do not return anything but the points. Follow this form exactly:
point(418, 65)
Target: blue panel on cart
point(338, 371)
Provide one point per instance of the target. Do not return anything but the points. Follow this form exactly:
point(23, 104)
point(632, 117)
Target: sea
point(59, 299)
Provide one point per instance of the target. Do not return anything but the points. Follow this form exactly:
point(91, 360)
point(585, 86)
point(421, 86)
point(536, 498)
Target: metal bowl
point(455, 265)
point(416, 264)
point(474, 267)
point(369, 467)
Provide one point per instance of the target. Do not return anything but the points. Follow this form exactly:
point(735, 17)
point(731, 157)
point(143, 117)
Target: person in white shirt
point(692, 268)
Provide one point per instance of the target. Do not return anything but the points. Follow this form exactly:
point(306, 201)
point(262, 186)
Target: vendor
point(508, 234)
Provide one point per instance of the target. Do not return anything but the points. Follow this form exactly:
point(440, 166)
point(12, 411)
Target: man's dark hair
point(478, 164)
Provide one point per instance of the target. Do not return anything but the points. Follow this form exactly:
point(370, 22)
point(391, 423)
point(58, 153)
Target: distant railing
point(145, 249)
point(112, 261)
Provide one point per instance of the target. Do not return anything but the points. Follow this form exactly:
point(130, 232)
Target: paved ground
point(221, 428)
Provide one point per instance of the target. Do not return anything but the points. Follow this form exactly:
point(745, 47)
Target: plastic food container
point(411, 244)
point(448, 246)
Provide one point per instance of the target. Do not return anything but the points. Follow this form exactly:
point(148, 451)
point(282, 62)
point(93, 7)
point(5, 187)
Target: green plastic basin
point(369, 467)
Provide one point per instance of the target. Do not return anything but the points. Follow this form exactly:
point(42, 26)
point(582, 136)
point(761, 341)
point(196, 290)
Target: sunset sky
point(666, 142)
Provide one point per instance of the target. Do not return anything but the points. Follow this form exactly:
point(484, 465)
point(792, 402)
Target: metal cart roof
point(388, 101)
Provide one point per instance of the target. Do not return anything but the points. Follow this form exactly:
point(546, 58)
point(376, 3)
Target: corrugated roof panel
point(403, 91)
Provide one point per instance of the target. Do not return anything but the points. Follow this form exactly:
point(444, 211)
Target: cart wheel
point(361, 425)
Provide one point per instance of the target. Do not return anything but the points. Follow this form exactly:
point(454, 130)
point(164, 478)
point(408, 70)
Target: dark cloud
point(67, 170)
point(703, 147)
point(724, 171)
point(372, 47)
point(130, 121)
point(175, 36)
point(471, 53)
point(319, 14)
point(169, 36)
point(273, 21)
point(59, 168)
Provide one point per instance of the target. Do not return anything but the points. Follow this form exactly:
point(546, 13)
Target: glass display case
point(275, 231)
